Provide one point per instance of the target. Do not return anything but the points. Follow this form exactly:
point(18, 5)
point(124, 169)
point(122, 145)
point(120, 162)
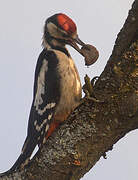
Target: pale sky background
point(21, 29)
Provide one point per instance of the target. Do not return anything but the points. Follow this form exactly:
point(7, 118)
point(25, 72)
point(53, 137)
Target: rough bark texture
point(93, 128)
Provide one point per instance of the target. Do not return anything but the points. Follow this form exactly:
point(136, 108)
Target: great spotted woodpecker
point(57, 86)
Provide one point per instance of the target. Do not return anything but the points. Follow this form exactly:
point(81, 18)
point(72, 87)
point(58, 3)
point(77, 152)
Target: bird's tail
point(24, 157)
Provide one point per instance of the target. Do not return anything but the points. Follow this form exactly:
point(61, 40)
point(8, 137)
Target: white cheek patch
point(55, 31)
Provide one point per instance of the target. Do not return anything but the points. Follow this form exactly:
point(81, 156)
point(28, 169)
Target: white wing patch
point(41, 85)
point(48, 106)
point(49, 116)
point(41, 90)
point(47, 127)
point(37, 127)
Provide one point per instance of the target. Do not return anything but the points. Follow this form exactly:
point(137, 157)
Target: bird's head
point(60, 30)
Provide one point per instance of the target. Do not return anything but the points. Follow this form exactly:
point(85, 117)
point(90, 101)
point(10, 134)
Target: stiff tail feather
point(24, 157)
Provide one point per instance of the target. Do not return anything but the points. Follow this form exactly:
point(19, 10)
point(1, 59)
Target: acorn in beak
point(88, 51)
point(74, 41)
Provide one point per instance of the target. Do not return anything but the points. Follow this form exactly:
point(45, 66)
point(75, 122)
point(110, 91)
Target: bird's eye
point(65, 35)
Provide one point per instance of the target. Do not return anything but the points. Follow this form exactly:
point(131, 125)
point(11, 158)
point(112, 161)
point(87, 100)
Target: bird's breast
point(70, 85)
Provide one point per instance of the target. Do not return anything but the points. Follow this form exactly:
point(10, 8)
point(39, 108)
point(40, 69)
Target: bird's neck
point(54, 44)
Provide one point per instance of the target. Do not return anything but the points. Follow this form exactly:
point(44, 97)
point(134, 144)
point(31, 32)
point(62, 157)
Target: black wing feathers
point(41, 115)
point(50, 96)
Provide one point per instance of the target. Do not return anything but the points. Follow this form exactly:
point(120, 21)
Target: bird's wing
point(45, 99)
point(46, 96)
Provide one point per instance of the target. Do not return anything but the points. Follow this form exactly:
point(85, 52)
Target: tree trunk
point(93, 128)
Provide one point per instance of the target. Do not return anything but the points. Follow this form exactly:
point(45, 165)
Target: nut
point(90, 53)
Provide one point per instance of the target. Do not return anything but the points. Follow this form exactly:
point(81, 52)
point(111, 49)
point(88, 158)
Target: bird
point(57, 86)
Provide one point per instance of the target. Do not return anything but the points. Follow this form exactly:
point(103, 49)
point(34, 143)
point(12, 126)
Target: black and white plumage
point(57, 87)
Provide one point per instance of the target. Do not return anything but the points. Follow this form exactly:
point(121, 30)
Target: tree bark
point(93, 128)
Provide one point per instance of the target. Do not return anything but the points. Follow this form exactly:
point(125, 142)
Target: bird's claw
point(88, 89)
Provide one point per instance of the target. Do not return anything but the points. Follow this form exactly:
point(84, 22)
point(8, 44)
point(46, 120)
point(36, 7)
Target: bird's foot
point(88, 90)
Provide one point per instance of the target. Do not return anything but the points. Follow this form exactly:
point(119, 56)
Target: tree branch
point(93, 128)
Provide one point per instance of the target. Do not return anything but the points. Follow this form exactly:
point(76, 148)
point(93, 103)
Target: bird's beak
point(74, 41)
point(88, 51)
